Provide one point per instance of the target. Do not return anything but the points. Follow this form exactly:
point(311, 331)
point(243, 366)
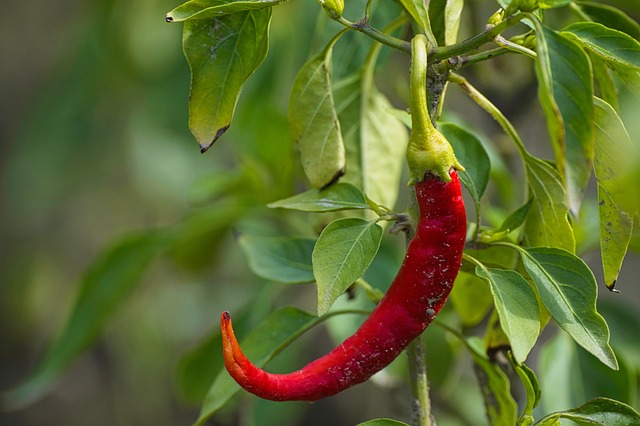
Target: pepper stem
point(428, 152)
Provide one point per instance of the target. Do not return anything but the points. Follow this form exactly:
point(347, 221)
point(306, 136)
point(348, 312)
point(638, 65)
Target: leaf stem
point(515, 47)
point(364, 27)
point(473, 43)
point(482, 56)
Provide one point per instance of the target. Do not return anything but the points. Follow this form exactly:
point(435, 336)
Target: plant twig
point(473, 43)
point(364, 27)
point(420, 403)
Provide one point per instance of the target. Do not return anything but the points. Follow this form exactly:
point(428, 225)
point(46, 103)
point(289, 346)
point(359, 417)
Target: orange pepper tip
point(233, 356)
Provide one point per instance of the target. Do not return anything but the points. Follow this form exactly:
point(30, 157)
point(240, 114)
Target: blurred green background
point(95, 145)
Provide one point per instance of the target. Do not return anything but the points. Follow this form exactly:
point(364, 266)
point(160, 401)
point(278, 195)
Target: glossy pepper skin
point(416, 295)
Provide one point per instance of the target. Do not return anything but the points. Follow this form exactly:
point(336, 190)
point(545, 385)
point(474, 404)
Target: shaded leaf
point(339, 196)
point(417, 9)
point(569, 291)
point(565, 92)
point(517, 218)
point(494, 383)
point(471, 298)
point(607, 88)
point(611, 45)
point(222, 53)
point(532, 388)
point(199, 235)
point(314, 122)
point(375, 138)
point(104, 287)
point(281, 259)
point(198, 367)
point(265, 341)
point(342, 254)
point(613, 152)
point(569, 375)
point(547, 222)
point(471, 154)
point(203, 9)
point(611, 17)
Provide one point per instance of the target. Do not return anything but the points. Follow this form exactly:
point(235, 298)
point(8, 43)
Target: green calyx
point(428, 151)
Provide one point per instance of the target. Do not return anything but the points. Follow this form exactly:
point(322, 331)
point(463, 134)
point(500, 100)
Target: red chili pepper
point(418, 291)
point(413, 300)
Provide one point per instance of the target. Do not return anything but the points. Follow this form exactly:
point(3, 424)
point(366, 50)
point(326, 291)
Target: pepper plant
point(536, 201)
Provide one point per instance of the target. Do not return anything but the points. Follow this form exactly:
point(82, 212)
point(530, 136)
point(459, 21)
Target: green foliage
point(236, 45)
point(339, 169)
point(568, 290)
point(565, 92)
point(313, 118)
point(281, 259)
point(517, 308)
point(343, 252)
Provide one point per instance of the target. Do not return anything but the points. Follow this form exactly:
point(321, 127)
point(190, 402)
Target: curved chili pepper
point(417, 293)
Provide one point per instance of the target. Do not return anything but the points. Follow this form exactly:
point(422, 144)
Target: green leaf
point(607, 88)
point(471, 298)
point(342, 254)
point(532, 389)
point(560, 379)
point(452, 15)
point(265, 341)
point(613, 152)
point(603, 411)
point(517, 218)
point(204, 9)
point(471, 154)
point(375, 138)
point(105, 286)
point(569, 291)
point(598, 411)
point(281, 259)
point(611, 17)
point(418, 12)
point(517, 308)
point(314, 122)
point(339, 196)
point(382, 422)
point(569, 375)
point(547, 222)
point(222, 53)
point(198, 367)
point(199, 235)
point(565, 92)
point(611, 45)
point(501, 407)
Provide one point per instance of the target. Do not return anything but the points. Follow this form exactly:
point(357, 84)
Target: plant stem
point(482, 56)
point(364, 27)
point(421, 403)
point(515, 47)
point(473, 43)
